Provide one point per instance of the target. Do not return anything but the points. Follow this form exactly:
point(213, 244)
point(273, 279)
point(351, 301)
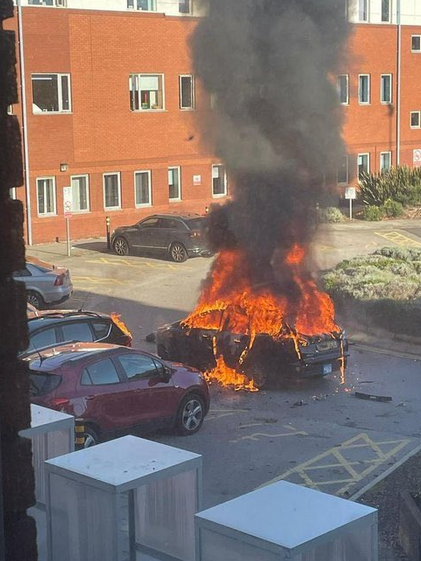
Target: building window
point(386, 88)
point(416, 43)
point(343, 170)
point(187, 100)
point(363, 10)
point(51, 93)
point(219, 180)
point(112, 193)
point(363, 164)
point(46, 196)
point(364, 89)
point(10, 109)
point(415, 119)
point(213, 100)
point(142, 188)
point(386, 11)
point(184, 6)
point(174, 188)
point(343, 89)
point(80, 193)
point(148, 5)
point(146, 92)
point(385, 161)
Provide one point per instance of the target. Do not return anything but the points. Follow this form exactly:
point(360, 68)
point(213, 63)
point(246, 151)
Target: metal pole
point(2, 552)
point(24, 123)
point(107, 224)
point(350, 209)
point(398, 86)
point(68, 235)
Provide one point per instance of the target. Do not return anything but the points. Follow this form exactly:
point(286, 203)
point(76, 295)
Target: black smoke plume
point(271, 68)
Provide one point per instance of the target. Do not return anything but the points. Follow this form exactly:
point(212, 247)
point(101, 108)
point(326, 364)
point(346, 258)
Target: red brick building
point(112, 108)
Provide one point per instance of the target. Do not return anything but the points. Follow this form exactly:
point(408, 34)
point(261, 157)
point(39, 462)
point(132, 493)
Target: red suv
point(115, 388)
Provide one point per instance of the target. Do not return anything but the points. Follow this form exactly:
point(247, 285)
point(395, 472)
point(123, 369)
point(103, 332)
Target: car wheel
point(178, 252)
point(121, 246)
point(190, 414)
point(91, 437)
point(35, 299)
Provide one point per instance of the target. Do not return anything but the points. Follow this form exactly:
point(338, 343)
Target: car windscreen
point(42, 383)
point(196, 223)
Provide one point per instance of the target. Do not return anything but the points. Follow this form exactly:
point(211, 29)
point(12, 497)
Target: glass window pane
point(77, 331)
point(385, 10)
point(186, 92)
point(416, 43)
point(363, 10)
point(80, 193)
point(65, 93)
point(142, 194)
point(174, 183)
point(218, 180)
point(101, 329)
point(184, 6)
point(103, 372)
point(112, 198)
point(137, 366)
point(343, 170)
point(343, 89)
point(45, 92)
point(43, 339)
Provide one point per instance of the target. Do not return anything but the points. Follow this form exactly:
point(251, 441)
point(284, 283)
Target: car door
point(152, 393)
point(44, 338)
point(143, 234)
point(101, 390)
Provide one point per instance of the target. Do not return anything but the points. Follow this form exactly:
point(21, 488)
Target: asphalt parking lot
point(316, 433)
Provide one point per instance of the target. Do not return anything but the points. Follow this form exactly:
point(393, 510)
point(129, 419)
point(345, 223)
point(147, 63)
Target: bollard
point(79, 434)
point(107, 224)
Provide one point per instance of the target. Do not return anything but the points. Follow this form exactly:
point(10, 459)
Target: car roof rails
point(66, 313)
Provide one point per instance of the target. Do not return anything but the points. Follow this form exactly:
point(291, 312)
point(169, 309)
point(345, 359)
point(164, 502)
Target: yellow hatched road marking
point(399, 239)
point(291, 431)
point(134, 265)
point(338, 453)
point(96, 280)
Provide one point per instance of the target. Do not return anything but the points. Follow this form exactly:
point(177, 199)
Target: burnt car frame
point(263, 359)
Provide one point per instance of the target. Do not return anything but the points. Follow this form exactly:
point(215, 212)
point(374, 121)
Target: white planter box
point(52, 434)
point(284, 521)
point(123, 500)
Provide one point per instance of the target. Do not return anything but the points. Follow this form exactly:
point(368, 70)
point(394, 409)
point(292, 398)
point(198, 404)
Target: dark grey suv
point(178, 236)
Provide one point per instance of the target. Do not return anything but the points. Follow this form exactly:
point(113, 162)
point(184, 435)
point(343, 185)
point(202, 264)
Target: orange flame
point(120, 324)
point(229, 302)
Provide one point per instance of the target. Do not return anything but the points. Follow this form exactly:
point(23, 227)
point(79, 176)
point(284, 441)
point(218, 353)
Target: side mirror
point(166, 373)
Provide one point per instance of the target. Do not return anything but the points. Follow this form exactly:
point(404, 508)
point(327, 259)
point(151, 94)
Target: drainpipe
point(24, 124)
point(398, 83)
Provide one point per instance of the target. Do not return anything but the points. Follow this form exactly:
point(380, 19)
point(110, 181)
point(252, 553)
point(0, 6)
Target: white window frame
point(86, 176)
point(367, 19)
point(383, 101)
point(390, 12)
point(415, 50)
point(179, 198)
point(224, 194)
point(59, 93)
point(419, 119)
point(189, 12)
point(132, 5)
point(148, 172)
point(347, 89)
point(347, 172)
point(104, 175)
point(137, 77)
point(358, 164)
point(47, 178)
point(368, 89)
point(193, 93)
point(389, 153)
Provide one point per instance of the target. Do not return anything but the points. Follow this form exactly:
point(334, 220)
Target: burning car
point(244, 337)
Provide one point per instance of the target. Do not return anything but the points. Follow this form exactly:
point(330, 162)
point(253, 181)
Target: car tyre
point(35, 299)
point(121, 246)
point(91, 437)
point(258, 374)
point(178, 252)
point(191, 414)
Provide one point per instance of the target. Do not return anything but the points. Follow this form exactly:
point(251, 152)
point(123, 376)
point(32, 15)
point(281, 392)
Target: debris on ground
point(151, 338)
point(299, 403)
point(371, 397)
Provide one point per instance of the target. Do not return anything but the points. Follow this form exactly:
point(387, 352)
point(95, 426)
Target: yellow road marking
point(224, 413)
point(389, 352)
point(338, 453)
point(96, 280)
point(291, 431)
point(399, 239)
point(134, 265)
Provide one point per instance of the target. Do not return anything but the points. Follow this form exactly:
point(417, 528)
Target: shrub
point(392, 209)
point(372, 213)
point(401, 184)
point(330, 215)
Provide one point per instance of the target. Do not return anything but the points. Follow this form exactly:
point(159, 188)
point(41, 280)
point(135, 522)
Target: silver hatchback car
point(45, 283)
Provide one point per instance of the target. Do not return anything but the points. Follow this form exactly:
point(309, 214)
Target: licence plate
point(327, 369)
